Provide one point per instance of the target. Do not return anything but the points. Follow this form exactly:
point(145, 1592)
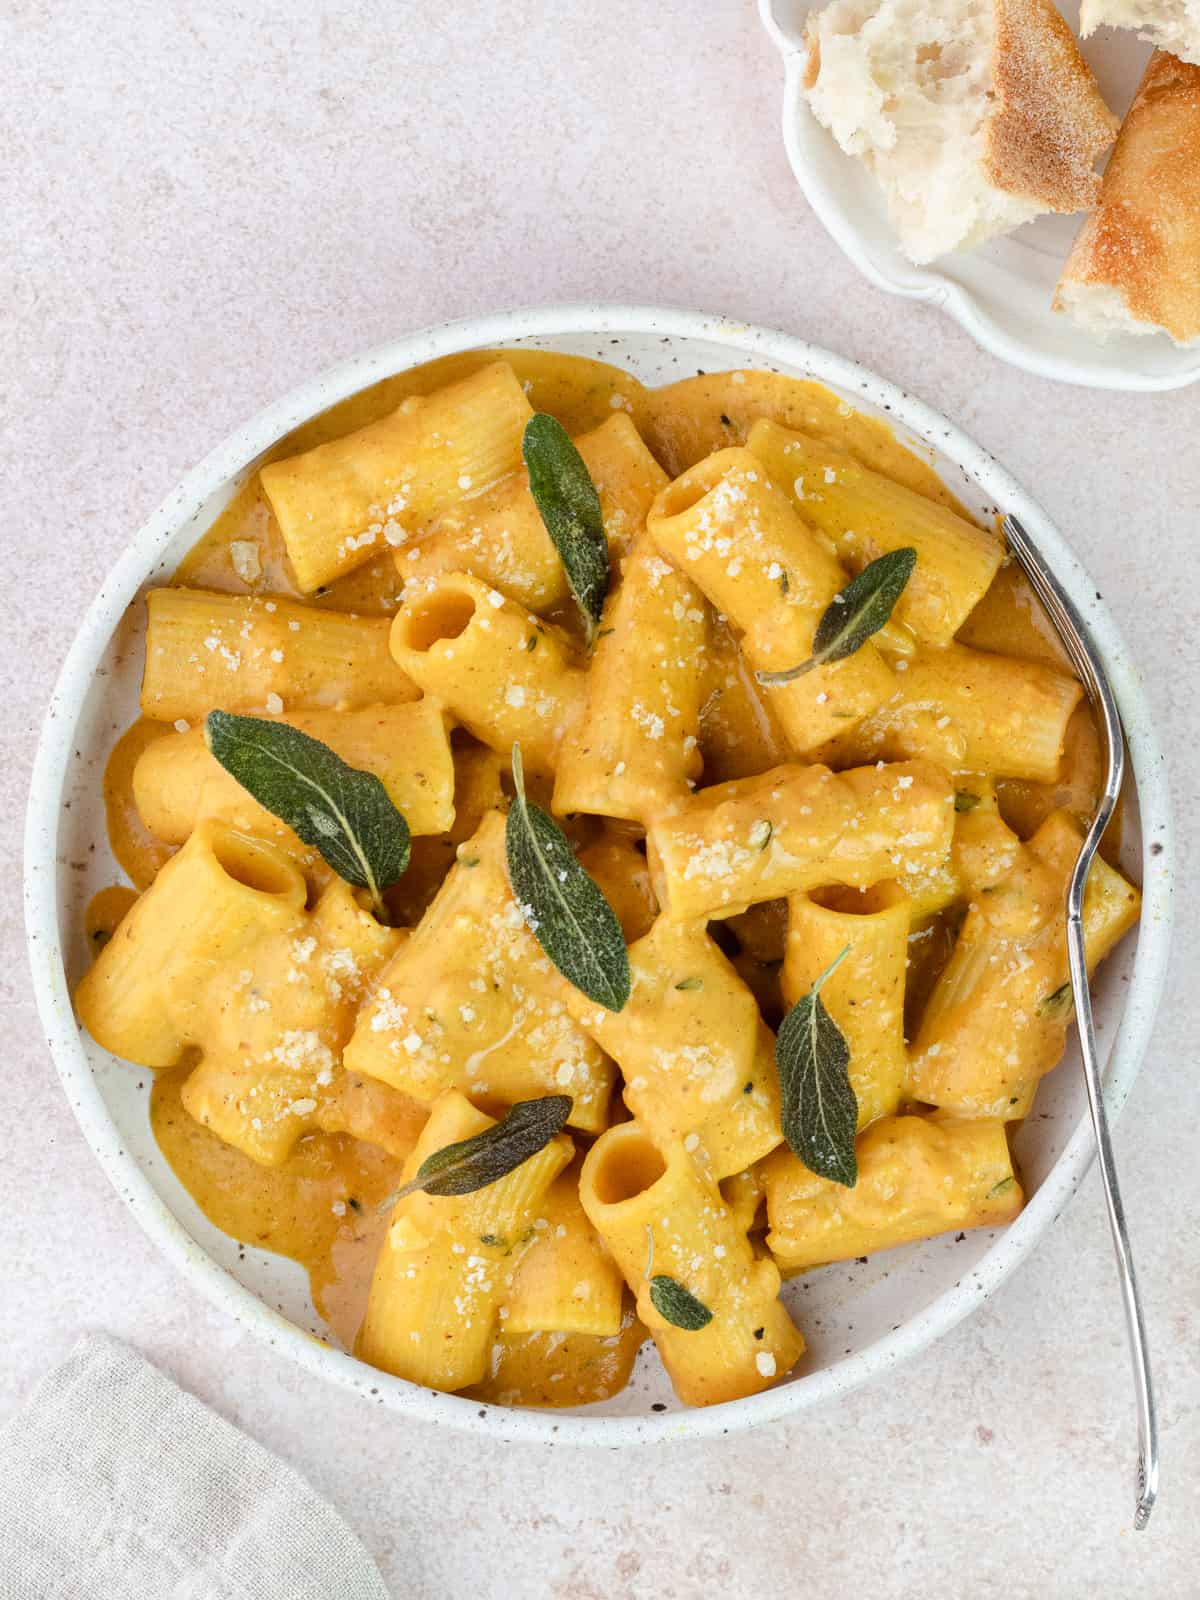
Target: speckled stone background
point(205, 204)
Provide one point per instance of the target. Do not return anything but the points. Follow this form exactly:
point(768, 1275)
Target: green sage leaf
point(819, 1109)
point(687, 984)
point(1058, 1004)
point(563, 907)
point(569, 506)
point(342, 812)
point(491, 1155)
point(1000, 1188)
point(964, 800)
point(854, 614)
point(678, 1305)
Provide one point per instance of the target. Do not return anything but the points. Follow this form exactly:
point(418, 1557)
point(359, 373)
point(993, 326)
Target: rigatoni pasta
point(566, 1282)
point(502, 673)
point(177, 783)
point(255, 653)
point(695, 1055)
point(798, 828)
point(970, 711)
point(635, 749)
point(661, 1214)
point(997, 1019)
point(553, 936)
point(446, 1263)
point(917, 1176)
point(221, 957)
point(735, 533)
point(501, 539)
point(225, 891)
point(470, 1002)
point(274, 1024)
point(865, 995)
point(340, 503)
point(865, 514)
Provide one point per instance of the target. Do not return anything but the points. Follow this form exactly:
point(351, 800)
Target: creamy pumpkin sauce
point(139, 854)
point(687, 421)
point(561, 1369)
point(104, 913)
point(320, 1207)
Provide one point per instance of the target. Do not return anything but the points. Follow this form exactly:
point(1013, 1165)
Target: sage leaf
point(491, 1155)
point(563, 908)
point(342, 812)
point(1058, 1004)
point(1000, 1188)
point(854, 614)
point(819, 1109)
point(964, 800)
point(569, 507)
point(678, 1305)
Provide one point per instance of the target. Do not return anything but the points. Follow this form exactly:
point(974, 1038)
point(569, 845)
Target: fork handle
point(1073, 631)
point(1147, 1415)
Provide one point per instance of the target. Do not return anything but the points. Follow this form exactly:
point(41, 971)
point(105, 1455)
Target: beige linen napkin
point(115, 1485)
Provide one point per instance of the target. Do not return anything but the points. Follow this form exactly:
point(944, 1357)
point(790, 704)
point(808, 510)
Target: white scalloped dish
point(1001, 292)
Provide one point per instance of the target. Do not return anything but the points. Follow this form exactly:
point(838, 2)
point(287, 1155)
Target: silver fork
point(1077, 642)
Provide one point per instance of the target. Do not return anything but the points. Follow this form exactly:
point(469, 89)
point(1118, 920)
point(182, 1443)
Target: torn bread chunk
point(1172, 25)
point(1135, 267)
point(974, 115)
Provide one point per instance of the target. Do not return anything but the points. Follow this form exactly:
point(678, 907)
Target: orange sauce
point(1025, 806)
point(319, 1208)
point(1009, 619)
point(689, 420)
point(561, 1369)
point(104, 912)
point(139, 854)
point(930, 947)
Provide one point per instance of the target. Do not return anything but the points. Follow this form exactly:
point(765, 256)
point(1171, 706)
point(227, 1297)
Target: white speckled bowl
point(860, 1321)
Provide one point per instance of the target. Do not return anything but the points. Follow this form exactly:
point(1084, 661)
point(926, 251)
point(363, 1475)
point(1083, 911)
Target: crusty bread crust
point(1144, 239)
point(1050, 122)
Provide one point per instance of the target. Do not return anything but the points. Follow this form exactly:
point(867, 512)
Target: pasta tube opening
point(256, 866)
point(442, 616)
point(629, 1165)
point(687, 491)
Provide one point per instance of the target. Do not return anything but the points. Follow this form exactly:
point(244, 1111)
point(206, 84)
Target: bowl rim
point(928, 283)
point(56, 743)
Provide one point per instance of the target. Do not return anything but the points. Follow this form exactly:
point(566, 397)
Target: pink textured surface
point(206, 206)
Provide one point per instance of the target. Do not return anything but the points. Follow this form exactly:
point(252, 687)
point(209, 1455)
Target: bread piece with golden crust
point(974, 115)
point(1135, 267)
